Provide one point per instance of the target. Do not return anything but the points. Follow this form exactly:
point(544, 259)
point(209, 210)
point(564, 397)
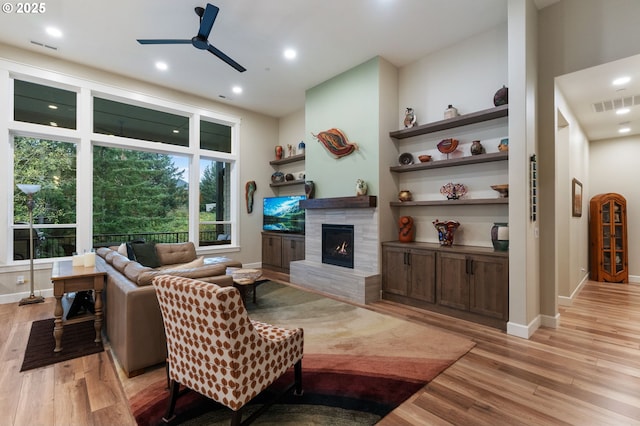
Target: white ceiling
point(331, 36)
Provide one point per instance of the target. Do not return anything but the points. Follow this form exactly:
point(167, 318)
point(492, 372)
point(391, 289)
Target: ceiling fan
point(200, 41)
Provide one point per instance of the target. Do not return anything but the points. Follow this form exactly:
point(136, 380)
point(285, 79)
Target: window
point(139, 195)
point(215, 137)
point(215, 211)
point(35, 103)
point(130, 121)
point(52, 165)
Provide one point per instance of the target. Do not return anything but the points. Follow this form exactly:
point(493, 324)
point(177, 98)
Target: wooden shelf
point(472, 159)
point(287, 160)
point(450, 123)
point(460, 202)
point(287, 183)
point(358, 202)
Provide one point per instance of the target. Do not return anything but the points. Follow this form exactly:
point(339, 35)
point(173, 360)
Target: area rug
point(358, 364)
point(77, 340)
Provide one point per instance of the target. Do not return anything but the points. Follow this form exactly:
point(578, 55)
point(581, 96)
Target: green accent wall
point(351, 103)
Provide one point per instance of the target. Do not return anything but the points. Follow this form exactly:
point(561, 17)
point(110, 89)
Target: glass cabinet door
point(606, 238)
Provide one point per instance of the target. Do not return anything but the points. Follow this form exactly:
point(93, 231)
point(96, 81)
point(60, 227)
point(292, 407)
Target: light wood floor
point(586, 372)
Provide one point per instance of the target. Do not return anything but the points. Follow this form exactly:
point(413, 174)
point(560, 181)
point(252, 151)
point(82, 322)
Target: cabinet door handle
point(470, 266)
point(409, 259)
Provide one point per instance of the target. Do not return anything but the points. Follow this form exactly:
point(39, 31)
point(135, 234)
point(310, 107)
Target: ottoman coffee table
point(245, 279)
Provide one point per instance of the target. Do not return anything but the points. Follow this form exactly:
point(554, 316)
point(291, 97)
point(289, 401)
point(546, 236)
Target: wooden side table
point(66, 279)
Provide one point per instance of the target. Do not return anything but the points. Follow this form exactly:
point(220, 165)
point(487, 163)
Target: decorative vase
point(477, 148)
point(361, 187)
point(309, 189)
point(500, 236)
point(279, 152)
point(407, 230)
point(277, 177)
point(446, 230)
point(503, 145)
point(301, 147)
point(501, 97)
point(451, 112)
point(405, 195)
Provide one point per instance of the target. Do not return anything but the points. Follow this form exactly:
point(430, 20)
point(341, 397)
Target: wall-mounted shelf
point(472, 159)
point(450, 123)
point(357, 202)
point(460, 202)
point(287, 183)
point(287, 160)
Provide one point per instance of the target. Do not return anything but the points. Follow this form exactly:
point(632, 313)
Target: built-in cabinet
point(467, 282)
point(609, 256)
point(279, 250)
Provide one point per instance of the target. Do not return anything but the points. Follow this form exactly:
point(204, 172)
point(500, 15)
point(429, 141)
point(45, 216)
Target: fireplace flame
point(342, 248)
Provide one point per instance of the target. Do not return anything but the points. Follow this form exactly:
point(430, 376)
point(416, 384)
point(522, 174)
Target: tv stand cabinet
point(278, 250)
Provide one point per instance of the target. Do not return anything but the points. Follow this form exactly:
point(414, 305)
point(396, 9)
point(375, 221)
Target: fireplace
point(337, 245)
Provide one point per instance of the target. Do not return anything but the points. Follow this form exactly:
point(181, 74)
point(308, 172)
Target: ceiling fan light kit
point(201, 40)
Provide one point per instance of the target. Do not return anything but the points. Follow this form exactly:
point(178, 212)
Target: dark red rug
point(77, 340)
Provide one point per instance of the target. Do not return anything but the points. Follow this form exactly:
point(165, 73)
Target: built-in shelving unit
point(459, 202)
point(287, 160)
point(451, 123)
point(472, 159)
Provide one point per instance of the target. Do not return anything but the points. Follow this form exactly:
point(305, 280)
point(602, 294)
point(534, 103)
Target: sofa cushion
point(173, 253)
point(133, 271)
point(109, 256)
point(119, 261)
point(193, 264)
point(146, 254)
point(206, 271)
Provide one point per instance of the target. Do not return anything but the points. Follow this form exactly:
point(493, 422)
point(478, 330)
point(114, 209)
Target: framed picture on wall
point(576, 197)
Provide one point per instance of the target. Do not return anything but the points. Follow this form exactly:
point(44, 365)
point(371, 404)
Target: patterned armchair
point(215, 349)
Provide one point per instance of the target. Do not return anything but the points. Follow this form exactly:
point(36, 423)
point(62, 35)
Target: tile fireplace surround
point(362, 283)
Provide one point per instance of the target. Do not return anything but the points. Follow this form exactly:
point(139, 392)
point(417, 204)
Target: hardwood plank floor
point(586, 372)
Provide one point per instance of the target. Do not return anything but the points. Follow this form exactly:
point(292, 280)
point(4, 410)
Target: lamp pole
point(30, 190)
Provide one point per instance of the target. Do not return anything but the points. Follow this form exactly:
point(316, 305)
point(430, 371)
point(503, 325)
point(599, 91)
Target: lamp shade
point(28, 189)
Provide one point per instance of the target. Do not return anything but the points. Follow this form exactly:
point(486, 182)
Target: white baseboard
point(16, 297)
point(523, 331)
point(550, 321)
point(634, 279)
point(568, 300)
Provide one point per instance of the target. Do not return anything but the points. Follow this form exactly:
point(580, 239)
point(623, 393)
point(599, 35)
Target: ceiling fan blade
point(206, 23)
point(225, 58)
point(167, 41)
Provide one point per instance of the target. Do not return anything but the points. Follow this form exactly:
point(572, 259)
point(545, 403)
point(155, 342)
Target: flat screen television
point(283, 214)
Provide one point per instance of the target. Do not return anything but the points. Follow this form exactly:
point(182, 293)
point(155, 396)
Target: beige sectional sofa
point(132, 316)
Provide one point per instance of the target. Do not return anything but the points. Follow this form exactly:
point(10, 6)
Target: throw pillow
point(145, 254)
point(122, 249)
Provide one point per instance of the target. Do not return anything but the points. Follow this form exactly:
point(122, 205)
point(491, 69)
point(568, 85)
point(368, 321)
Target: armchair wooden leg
point(174, 392)
point(298, 378)
point(236, 418)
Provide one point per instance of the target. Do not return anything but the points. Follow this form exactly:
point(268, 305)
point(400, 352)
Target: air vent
point(613, 104)
point(37, 43)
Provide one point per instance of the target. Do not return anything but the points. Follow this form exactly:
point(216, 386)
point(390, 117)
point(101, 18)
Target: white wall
point(613, 167)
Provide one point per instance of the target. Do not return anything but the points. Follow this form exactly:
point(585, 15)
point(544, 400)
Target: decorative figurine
point(309, 189)
point(291, 150)
point(410, 118)
point(407, 230)
point(361, 187)
point(279, 152)
point(301, 147)
point(503, 145)
point(249, 190)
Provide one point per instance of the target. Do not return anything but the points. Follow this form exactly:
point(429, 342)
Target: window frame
point(85, 139)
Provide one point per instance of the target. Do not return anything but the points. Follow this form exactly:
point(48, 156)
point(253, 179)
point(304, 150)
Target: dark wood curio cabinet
point(608, 238)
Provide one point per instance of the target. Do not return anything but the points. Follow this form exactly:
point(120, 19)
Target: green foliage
point(135, 191)
point(52, 165)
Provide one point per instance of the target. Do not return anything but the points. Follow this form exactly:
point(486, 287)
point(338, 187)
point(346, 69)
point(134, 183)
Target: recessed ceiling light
point(621, 80)
point(162, 66)
point(176, 131)
point(54, 32)
point(290, 54)
point(624, 130)
point(622, 111)
point(237, 90)
point(53, 106)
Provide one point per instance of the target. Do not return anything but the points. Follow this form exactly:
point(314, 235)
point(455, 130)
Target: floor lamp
point(30, 190)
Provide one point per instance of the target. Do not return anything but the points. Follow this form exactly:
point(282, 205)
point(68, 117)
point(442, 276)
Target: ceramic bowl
point(503, 190)
point(424, 158)
point(405, 159)
point(447, 146)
